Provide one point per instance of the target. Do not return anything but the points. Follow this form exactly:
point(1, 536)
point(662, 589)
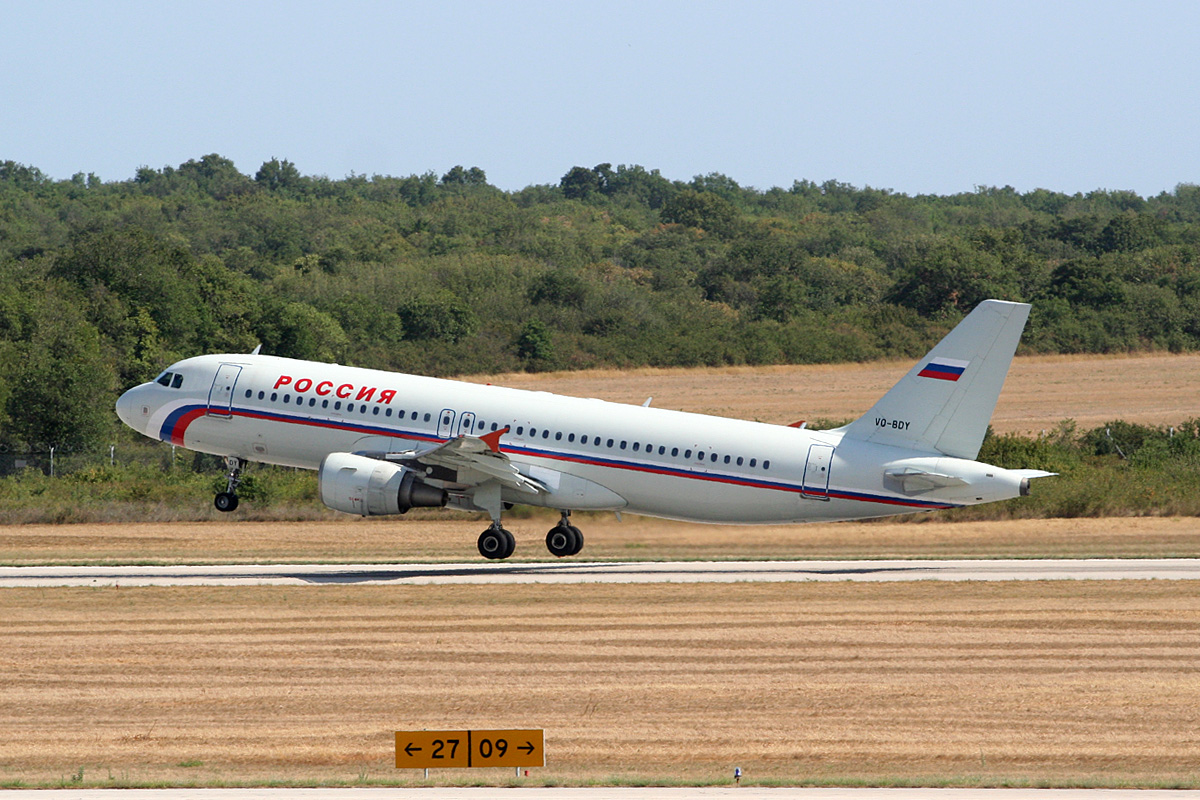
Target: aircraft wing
point(474, 460)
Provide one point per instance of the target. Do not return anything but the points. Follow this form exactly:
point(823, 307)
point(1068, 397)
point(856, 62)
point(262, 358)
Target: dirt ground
point(1050, 683)
point(1040, 392)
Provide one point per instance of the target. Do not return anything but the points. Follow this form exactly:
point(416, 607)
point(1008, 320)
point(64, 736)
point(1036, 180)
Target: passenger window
point(387, 413)
point(636, 447)
point(414, 415)
point(312, 401)
point(713, 458)
point(726, 459)
point(337, 406)
point(700, 455)
point(349, 408)
point(688, 454)
point(570, 437)
point(610, 442)
point(261, 395)
point(662, 450)
point(533, 433)
point(753, 462)
point(247, 394)
point(674, 452)
point(521, 430)
point(175, 384)
point(495, 426)
point(375, 411)
point(446, 420)
point(324, 404)
point(767, 464)
point(739, 461)
point(428, 417)
point(622, 445)
point(274, 396)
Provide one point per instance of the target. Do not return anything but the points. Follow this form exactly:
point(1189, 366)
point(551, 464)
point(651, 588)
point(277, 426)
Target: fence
point(58, 462)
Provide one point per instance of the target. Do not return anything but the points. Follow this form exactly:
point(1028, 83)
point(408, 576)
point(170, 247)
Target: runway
point(604, 572)
point(619, 793)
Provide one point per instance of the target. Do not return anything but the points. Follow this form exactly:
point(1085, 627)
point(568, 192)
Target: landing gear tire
point(226, 501)
point(564, 540)
point(496, 543)
point(578, 540)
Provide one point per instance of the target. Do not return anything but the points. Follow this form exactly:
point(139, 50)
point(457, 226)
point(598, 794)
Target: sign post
point(470, 749)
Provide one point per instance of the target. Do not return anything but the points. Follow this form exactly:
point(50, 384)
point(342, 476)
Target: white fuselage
point(652, 461)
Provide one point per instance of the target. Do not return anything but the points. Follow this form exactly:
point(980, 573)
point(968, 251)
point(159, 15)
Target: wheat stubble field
point(1052, 683)
point(1040, 391)
point(1040, 683)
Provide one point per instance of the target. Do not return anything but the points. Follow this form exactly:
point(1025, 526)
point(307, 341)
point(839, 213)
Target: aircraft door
point(466, 423)
point(816, 471)
point(446, 424)
point(220, 396)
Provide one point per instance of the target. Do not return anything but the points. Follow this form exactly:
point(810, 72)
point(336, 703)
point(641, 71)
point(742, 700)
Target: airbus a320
point(384, 443)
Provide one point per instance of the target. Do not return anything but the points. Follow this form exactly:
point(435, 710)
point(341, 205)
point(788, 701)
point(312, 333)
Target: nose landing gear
point(228, 499)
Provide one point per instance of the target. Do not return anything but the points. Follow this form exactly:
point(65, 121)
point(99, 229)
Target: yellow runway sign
point(428, 749)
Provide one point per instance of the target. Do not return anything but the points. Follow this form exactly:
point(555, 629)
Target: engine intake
point(369, 487)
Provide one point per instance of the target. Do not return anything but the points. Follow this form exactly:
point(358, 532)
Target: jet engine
point(369, 487)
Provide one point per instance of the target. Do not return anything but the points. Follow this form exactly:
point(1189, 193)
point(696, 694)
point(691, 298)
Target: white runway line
point(605, 572)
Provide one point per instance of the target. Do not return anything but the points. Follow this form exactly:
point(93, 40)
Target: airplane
point(384, 443)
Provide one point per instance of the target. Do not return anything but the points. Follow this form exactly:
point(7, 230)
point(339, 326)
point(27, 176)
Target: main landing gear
point(228, 499)
point(496, 543)
point(564, 539)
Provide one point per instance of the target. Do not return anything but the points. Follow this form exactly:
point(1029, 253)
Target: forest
point(105, 283)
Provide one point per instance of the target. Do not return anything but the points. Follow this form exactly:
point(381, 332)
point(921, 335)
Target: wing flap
point(473, 454)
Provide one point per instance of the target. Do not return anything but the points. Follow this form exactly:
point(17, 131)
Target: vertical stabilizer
point(944, 403)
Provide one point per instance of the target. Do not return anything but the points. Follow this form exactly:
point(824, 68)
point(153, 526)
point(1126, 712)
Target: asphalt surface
point(604, 793)
point(600, 572)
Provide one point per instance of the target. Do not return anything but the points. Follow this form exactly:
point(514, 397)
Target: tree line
point(104, 283)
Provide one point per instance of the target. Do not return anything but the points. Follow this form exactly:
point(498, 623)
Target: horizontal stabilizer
point(917, 480)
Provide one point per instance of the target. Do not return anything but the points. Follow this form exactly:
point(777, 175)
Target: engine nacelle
point(369, 487)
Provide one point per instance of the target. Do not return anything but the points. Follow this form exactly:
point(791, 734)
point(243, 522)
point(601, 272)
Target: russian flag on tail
point(944, 369)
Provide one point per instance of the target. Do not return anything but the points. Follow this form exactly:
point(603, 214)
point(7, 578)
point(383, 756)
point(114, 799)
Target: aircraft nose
point(130, 410)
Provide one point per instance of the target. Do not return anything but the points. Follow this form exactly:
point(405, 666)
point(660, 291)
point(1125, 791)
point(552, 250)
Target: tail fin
point(944, 403)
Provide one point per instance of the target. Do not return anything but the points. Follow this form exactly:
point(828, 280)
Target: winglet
point(492, 440)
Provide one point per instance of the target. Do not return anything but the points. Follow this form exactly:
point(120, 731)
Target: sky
point(917, 97)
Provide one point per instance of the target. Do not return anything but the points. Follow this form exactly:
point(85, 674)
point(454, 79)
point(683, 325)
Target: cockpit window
point(172, 380)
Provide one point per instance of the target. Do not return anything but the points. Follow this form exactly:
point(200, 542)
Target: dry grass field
point(450, 537)
point(1040, 392)
point(1053, 683)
